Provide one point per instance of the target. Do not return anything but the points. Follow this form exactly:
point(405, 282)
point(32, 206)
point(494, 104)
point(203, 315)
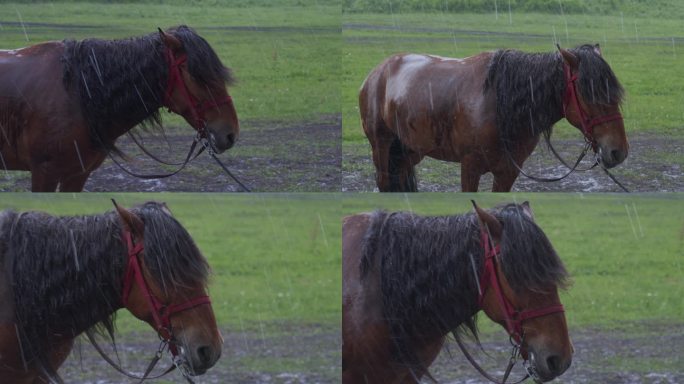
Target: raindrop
point(4, 166)
point(79, 155)
point(21, 21)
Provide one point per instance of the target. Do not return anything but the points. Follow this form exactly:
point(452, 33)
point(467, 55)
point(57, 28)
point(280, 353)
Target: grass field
point(284, 53)
point(643, 50)
point(275, 258)
point(623, 252)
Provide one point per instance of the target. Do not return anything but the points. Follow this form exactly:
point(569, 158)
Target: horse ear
point(131, 222)
point(527, 210)
point(597, 49)
point(569, 58)
point(486, 218)
point(170, 41)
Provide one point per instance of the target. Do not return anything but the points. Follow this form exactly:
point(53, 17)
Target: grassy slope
point(626, 267)
point(284, 74)
point(275, 258)
point(644, 51)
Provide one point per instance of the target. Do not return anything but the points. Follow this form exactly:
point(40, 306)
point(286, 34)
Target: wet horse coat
point(483, 111)
point(64, 104)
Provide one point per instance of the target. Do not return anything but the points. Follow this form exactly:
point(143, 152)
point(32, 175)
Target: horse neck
point(69, 269)
point(120, 83)
point(440, 279)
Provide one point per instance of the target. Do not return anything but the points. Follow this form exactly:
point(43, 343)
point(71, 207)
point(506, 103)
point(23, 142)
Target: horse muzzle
point(610, 156)
point(544, 366)
point(195, 361)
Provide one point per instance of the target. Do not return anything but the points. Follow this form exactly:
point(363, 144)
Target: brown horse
point(409, 281)
point(61, 276)
point(486, 111)
point(63, 104)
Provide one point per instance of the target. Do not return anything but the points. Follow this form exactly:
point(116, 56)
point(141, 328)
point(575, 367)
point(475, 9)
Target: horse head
point(524, 301)
point(196, 87)
point(157, 290)
point(592, 103)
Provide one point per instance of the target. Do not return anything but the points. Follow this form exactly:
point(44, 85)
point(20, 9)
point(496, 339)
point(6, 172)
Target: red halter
point(161, 313)
point(175, 80)
point(587, 123)
point(489, 277)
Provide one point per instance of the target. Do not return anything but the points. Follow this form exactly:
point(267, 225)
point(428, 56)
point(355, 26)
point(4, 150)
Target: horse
point(63, 104)
point(409, 281)
point(486, 112)
point(62, 276)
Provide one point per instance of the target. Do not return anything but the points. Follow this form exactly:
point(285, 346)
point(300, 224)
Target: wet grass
point(623, 251)
point(275, 258)
point(643, 51)
point(285, 56)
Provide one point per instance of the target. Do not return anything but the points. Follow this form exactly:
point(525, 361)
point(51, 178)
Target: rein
point(514, 318)
point(161, 314)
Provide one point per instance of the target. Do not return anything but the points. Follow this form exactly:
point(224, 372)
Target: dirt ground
point(654, 164)
point(649, 356)
point(301, 355)
point(268, 157)
point(311, 355)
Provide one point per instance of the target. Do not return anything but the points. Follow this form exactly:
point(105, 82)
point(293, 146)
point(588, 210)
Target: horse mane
point(426, 270)
point(530, 87)
point(66, 273)
point(122, 82)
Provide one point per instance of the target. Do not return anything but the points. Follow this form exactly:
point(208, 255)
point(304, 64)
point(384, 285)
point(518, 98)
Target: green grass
point(644, 52)
point(287, 66)
point(275, 258)
point(626, 267)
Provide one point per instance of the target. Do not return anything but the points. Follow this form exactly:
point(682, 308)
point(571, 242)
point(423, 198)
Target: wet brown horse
point(61, 276)
point(409, 281)
point(63, 104)
point(487, 111)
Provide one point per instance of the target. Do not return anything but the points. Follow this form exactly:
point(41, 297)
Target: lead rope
point(118, 368)
point(511, 362)
point(205, 145)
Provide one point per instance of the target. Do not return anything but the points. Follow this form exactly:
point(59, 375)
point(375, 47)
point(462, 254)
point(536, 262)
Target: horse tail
point(402, 178)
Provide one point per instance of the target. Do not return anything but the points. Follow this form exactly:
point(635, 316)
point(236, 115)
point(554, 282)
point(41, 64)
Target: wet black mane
point(122, 82)
point(66, 273)
point(530, 87)
point(428, 285)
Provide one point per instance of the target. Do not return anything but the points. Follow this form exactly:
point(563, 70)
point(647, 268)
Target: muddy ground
point(649, 353)
point(297, 355)
point(268, 157)
point(654, 164)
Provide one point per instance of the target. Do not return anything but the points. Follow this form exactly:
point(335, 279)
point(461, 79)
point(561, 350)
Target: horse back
point(431, 102)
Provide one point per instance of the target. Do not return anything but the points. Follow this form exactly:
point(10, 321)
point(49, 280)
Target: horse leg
point(504, 179)
point(470, 174)
point(42, 182)
point(380, 144)
point(74, 183)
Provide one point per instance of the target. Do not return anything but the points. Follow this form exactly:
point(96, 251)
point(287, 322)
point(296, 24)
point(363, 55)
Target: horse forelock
point(204, 64)
point(171, 255)
point(597, 81)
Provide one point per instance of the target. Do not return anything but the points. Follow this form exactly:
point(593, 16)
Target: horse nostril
point(230, 139)
point(553, 363)
point(204, 355)
point(616, 155)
